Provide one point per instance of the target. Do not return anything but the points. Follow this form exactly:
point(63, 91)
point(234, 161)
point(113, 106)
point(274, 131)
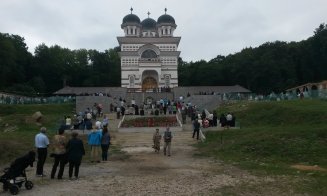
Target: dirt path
point(149, 173)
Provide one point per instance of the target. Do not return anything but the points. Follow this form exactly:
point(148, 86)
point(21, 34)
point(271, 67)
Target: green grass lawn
point(273, 137)
point(17, 127)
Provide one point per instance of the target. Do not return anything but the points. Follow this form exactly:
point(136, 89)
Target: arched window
point(167, 80)
point(149, 54)
point(131, 81)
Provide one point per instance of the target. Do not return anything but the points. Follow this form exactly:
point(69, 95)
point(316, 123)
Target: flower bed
point(161, 121)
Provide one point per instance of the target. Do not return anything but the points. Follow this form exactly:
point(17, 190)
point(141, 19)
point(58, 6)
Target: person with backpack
point(168, 136)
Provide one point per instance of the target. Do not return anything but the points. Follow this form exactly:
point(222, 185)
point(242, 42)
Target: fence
point(15, 99)
point(312, 94)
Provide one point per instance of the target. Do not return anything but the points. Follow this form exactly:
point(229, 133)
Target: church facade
point(149, 52)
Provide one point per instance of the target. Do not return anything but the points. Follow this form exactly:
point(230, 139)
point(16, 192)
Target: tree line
point(50, 68)
point(273, 66)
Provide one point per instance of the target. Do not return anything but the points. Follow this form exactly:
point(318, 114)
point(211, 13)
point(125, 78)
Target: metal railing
point(15, 99)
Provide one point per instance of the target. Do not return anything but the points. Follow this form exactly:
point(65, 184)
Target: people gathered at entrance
point(94, 122)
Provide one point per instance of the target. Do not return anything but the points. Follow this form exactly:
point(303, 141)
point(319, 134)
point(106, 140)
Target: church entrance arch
point(149, 83)
point(149, 80)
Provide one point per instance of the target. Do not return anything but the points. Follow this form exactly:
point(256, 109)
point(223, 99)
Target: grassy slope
point(18, 142)
point(274, 136)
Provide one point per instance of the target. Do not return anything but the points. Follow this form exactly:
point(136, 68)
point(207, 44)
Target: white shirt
point(229, 117)
point(41, 141)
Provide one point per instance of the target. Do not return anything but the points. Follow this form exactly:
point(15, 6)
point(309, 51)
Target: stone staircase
point(141, 141)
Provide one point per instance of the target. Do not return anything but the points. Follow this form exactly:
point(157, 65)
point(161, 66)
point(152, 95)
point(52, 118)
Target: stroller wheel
point(28, 185)
point(14, 189)
point(5, 187)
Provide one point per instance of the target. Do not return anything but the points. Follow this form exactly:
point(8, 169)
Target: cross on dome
point(131, 10)
point(165, 10)
point(149, 14)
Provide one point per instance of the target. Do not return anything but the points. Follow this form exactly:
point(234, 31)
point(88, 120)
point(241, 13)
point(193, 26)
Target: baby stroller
point(14, 176)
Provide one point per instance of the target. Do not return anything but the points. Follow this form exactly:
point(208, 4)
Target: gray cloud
point(207, 28)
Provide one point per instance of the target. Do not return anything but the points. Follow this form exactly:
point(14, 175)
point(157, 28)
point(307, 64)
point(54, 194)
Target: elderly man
point(167, 138)
point(41, 144)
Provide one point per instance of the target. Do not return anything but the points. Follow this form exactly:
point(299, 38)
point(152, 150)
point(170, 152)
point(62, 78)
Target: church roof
point(148, 23)
point(165, 18)
point(131, 18)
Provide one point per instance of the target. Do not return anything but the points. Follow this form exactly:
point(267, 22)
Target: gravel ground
point(149, 173)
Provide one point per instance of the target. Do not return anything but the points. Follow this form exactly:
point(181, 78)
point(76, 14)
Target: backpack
point(167, 136)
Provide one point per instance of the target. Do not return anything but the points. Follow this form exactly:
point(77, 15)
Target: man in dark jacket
point(75, 151)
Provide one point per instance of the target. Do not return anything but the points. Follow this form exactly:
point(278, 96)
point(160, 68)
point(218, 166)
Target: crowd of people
point(161, 106)
point(71, 151)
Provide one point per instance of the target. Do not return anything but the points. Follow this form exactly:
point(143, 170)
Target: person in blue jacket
point(94, 140)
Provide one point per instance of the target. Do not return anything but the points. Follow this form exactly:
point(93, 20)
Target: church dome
point(166, 19)
point(148, 23)
point(131, 18)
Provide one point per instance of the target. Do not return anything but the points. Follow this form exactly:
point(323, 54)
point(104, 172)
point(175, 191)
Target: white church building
point(149, 52)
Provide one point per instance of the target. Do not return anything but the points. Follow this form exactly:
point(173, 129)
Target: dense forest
point(273, 66)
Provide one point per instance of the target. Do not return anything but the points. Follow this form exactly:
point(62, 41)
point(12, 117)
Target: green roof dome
point(131, 18)
point(149, 23)
point(166, 19)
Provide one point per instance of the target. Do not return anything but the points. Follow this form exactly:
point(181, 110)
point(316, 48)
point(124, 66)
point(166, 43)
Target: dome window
point(149, 54)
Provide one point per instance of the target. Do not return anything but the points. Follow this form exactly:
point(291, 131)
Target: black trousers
point(41, 156)
point(104, 148)
point(74, 164)
point(197, 133)
point(58, 159)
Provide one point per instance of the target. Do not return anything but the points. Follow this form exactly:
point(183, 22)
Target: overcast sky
point(207, 27)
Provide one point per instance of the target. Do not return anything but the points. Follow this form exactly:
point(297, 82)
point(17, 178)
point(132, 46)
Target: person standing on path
point(75, 151)
point(94, 140)
point(156, 141)
point(105, 143)
point(196, 129)
point(41, 144)
point(168, 136)
point(59, 144)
